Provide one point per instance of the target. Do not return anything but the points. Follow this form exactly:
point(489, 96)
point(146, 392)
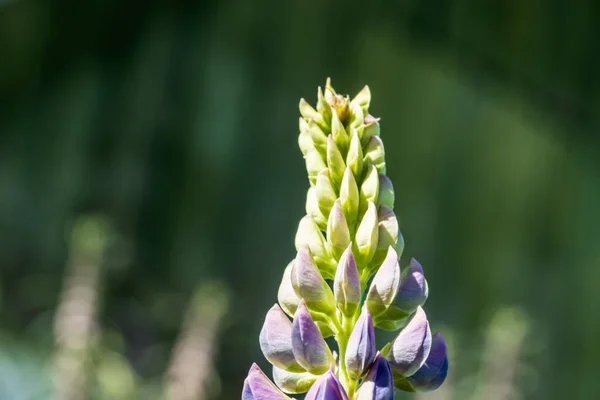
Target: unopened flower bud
point(386, 192)
point(293, 382)
point(310, 285)
point(288, 300)
point(308, 112)
point(346, 285)
point(433, 372)
point(317, 136)
point(258, 387)
point(362, 99)
point(361, 349)
point(413, 290)
point(309, 347)
point(276, 340)
point(314, 164)
point(369, 190)
point(365, 242)
point(338, 233)
point(385, 284)
point(411, 347)
point(375, 154)
point(357, 118)
point(325, 193)
point(310, 235)
point(349, 199)
point(387, 228)
point(335, 161)
point(327, 387)
point(379, 382)
point(323, 107)
point(339, 134)
point(312, 208)
point(355, 157)
point(371, 128)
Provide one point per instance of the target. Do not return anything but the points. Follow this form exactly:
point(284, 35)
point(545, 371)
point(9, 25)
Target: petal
point(309, 347)
point(309, 284)
point(413, 290)
point(327, 387)
point(258, 386)
point(361, 349)
point(379, 383)
point(433, 373)
point(412, 345)
point(385, 284)
point(276, 340)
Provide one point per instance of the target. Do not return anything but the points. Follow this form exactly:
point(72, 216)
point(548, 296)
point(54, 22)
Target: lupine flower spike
point(346, 278)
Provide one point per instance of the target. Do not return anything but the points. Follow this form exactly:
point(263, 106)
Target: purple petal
point(346, 285)
point(309, 347)
point(413, 290)
point(361, 349)
point(258, 387)
point(412, 345)
point(309, 284)
point(327, 387)
point(379, 383)
point(276, 340)
point(433, 373)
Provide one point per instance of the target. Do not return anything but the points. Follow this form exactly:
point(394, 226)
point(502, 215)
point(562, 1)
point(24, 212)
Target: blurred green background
point(163, 134)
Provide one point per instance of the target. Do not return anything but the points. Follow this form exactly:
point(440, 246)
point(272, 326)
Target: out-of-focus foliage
point(178, 122)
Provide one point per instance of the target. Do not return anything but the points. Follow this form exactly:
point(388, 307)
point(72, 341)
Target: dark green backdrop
point(177, 120)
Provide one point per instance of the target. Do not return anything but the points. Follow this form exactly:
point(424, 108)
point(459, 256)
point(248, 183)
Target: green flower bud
point(288, 300)
point(318, 138)
point(355, 157)
point(310, 235)
point(314, 164)
point(312, 208)
point(325, 193)
point(335, 162)
point(310, 285)
point(357, 119)
point(369, 191)
point(385, 284)
point(375, 154)
point(349, 199)
point(388, 232)
point(346, 285)
point(362, 99)
point(370, 129)
point(309, 113)
point(365, 242)
point(293, 382)
point(323, 107)
point(338, 234)
point(338, 132)
point(305, 142)
point(386, 192)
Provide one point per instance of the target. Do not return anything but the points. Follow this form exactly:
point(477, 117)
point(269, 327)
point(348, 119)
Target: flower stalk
point(346, 278)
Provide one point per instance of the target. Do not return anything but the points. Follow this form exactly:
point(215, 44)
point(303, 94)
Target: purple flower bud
point(433, 373)
point(379, 383)
point(361, 349)
point(413, 289)
point(385, 284)
point(276, 340)
point(309, 284)
point(293, 382)
point(258, 387)
point(309, 347)
point(327, 387)
point(412, 345)
point(346, 285)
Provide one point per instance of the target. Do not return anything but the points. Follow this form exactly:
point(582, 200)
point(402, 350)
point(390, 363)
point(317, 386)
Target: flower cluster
point(349, 236)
